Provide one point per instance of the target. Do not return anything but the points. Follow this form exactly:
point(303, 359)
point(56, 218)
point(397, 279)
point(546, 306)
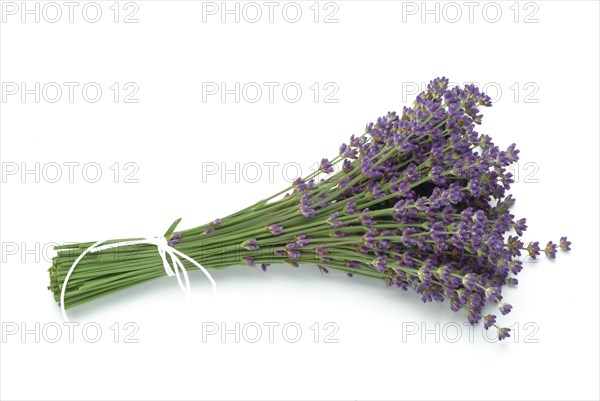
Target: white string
point(174, 269)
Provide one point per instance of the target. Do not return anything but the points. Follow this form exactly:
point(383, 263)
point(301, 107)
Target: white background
point(375, 55)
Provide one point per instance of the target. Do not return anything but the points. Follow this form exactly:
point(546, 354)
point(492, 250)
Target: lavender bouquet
point(419, 201)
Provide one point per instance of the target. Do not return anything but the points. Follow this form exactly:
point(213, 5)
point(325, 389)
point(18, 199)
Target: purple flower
point(305, 204)
point(412, 174)
point(275, 229)
point(208, 230)
point(550, 250)
point(511, 153)
point(300, 185)
point(469, 280)
point(474, 187)
point(251, 244)
point(302, 240)
point(321, 250)
point(492, 294)
point(323, 269)
point(504, 308)
point(326, 167)
point(534, 249)
point(520, 226)
point(250, 261)
point(376, 191)
point(564, 244)
point(347, 166)
point(443, 273)
point(454, 194)
point(503, 333)
point(291, 263)
point(489, 321)
point(381, 264)
point(424, 273)
point(403, 188)
point(436, 175)
point(334, 223)
point(514, 245)
point(436, 232)
point(515, 266)
point(174, 239)
point(264, 266)
point(365, 220)
point(350, 207)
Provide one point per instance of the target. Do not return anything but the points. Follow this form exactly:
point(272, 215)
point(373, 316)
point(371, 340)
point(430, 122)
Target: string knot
point(170, 258)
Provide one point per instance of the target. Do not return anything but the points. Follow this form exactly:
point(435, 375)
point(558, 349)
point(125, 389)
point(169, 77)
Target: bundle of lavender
point(419, 201)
